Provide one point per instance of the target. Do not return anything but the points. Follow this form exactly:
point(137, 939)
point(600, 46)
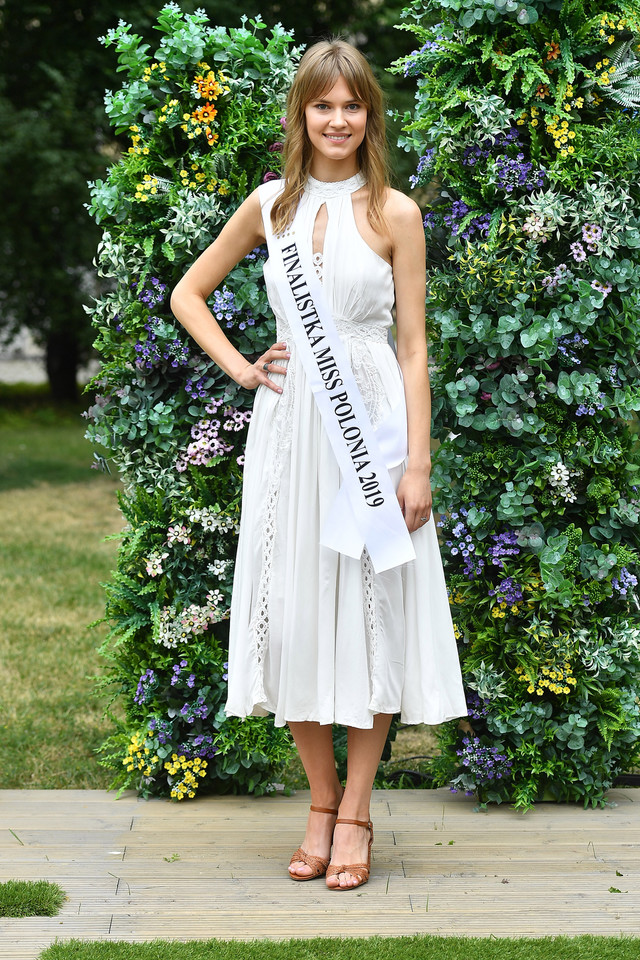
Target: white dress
point(316, 635)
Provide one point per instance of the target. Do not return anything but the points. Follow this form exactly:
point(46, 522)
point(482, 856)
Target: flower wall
point(526, 123)
point(203, 117)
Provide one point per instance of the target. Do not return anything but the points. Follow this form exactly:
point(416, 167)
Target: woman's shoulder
point(401, 211)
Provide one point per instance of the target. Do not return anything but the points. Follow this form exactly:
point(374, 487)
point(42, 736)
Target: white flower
point(154, 564)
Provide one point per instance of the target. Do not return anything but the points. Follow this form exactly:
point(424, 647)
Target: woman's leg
point(315, 746)
point(350, 842)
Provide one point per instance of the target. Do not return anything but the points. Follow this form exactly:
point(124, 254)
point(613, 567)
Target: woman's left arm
point(408, 252)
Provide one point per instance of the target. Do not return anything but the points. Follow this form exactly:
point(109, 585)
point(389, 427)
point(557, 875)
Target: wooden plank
point(115, 860)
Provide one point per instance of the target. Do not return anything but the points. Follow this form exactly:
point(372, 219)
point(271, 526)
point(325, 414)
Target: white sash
point(366, 510)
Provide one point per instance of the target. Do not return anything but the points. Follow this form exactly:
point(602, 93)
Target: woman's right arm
point(242, 233)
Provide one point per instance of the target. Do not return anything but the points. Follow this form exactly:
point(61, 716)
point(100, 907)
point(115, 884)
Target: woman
point(340, 612)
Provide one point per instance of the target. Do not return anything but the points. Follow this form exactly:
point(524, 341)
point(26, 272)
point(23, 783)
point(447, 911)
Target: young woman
point(340, 611)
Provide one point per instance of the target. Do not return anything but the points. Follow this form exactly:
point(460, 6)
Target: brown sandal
point(359, 870)
point(318, 864)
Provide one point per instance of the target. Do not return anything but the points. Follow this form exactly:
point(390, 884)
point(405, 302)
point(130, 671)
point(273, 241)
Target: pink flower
point(276, 147)
point(270, 175)
point(283, 123)
point(485, 396)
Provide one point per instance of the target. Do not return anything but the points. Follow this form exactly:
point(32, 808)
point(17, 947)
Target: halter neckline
point(334, 188)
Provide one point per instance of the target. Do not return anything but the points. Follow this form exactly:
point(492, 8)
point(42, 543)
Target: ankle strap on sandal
point(358, 823)
point(323, 810)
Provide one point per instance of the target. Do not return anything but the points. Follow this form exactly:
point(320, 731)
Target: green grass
point(42, 443)
point(373, 948)
point(30, 898)
point(54, 513)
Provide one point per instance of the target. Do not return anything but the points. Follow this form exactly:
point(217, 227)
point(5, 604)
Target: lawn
point(55, 512)
point(373, 948)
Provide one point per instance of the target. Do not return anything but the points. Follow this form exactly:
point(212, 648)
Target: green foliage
point(533, 303)
point(203, 115)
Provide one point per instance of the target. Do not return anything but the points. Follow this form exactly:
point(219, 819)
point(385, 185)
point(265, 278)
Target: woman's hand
point(414, 497)
point(259, 372)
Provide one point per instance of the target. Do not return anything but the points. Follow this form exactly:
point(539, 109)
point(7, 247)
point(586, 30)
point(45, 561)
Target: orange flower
point(553, 51)
point(542, 91)
point(205, 114)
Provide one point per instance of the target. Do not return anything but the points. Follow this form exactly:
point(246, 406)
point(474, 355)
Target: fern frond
point(567, 59)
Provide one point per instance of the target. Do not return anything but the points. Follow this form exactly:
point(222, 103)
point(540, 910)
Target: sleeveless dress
point(316, 635)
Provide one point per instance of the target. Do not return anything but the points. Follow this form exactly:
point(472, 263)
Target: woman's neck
point(331, 171)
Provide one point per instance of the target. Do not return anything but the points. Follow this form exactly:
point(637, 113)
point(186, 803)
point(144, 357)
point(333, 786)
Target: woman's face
point(336, 122)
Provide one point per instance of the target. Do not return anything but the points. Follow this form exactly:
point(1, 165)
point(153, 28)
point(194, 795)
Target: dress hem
point(430, 720)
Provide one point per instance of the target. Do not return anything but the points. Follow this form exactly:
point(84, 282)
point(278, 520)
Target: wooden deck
point(216, 867)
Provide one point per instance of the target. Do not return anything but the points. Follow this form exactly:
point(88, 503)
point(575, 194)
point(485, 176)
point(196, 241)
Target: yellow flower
point(534, 123)
point(611, 39)
point(612, 69)
point(571, 149)
point(531, 688)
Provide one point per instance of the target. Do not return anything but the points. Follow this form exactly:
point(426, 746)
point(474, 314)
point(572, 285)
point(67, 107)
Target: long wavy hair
point(318, 71)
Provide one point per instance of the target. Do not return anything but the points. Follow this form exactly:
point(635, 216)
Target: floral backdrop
point(527, 129)
point(203, 117)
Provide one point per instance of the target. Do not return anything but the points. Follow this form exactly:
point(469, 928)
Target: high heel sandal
point(359, 870)
point(318, 864)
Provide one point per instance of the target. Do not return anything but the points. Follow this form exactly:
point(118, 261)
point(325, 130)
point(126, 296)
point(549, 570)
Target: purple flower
point(507, 591)
point(578, 252)
point(484, 763)
point(504, 545)
point(424, 168)
point(568, 345)
point(604, 288)
point(276, 147)
point(270, 175)
point(146, 685)
point(624, 581)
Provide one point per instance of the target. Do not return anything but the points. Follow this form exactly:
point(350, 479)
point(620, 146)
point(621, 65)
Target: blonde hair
point(319, 69)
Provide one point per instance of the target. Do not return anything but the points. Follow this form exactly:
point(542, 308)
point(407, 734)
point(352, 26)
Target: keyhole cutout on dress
point(317, 242)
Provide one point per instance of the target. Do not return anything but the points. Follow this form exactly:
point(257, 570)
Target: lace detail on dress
point(369, 383)
point(371, 618)
point(357, 330)
point(318, 264)
point(336, 188)
point(283, 432)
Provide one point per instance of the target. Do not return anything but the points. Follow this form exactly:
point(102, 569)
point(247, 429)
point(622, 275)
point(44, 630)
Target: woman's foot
point(351, 848)
point(316, 844)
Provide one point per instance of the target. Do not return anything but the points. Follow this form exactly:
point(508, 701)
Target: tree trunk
point(62, 365)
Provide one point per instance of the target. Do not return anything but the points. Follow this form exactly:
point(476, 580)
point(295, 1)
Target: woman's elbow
point(176, 301)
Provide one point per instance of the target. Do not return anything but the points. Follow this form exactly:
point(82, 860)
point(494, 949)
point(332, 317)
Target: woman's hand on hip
point(414, 497)
point(260, 372)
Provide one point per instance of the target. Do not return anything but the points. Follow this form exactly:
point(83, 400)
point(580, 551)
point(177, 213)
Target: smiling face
point(336, 124)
